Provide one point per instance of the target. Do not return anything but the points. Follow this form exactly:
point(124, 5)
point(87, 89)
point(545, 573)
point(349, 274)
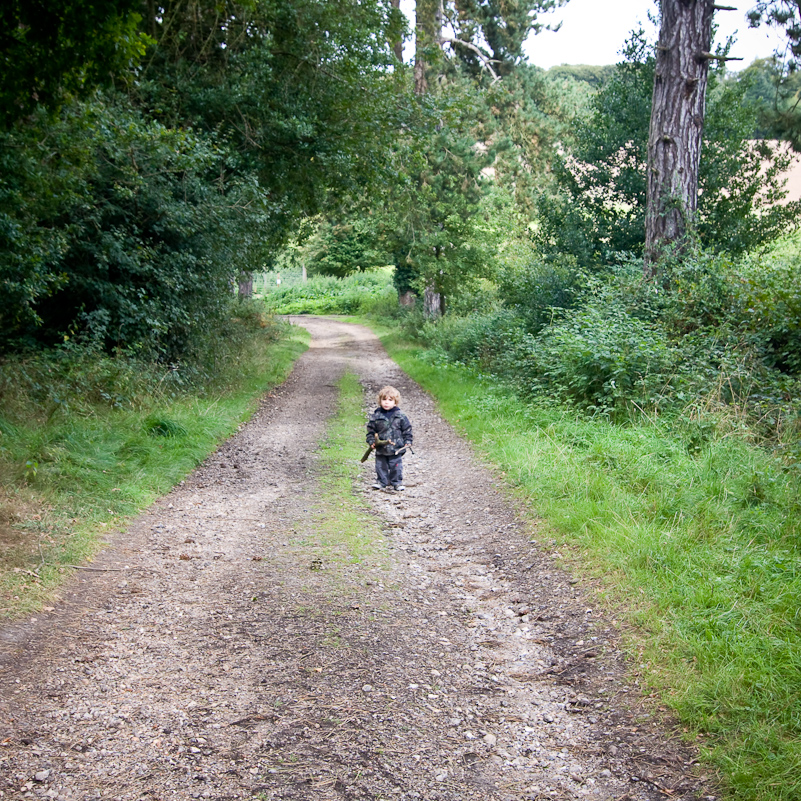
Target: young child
point(391, 424)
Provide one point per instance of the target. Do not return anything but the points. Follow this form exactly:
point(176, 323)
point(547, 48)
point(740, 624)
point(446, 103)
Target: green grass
point(74, 475)
point(695, 541)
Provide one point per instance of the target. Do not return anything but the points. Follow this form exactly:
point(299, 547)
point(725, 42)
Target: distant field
point(793, 176)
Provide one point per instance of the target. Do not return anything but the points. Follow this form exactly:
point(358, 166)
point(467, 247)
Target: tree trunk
point(677, 123)
point(246, 286)
point(428, 28)
point(432, 303)
point(397, 46)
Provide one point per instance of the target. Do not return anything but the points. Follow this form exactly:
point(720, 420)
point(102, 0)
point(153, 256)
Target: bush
point(536, 289)
point(768, 295)
point(120, 229)
point(329, 295)
point(709, 338)
point(601, 359)
point(77, 378)
point(489, 342)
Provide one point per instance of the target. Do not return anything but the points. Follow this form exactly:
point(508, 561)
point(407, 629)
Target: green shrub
point(121, 230)
point(768, 293)
point(329, 295)
point(601, 359)
point(534, 291)
point(490, 342)
point(78, 378)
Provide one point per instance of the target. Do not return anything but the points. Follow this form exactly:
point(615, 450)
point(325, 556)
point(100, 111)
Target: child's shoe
point(399, 488)
point(376, 485)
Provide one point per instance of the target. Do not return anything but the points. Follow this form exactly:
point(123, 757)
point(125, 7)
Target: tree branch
point(485, 60)
point(713, 57)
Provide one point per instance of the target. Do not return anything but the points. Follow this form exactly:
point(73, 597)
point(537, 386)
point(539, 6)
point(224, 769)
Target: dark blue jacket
point(393, 425)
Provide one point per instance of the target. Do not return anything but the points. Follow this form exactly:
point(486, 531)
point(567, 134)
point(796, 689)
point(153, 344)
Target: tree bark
point(245, 286)
point(432, 303)
point(397, 46)
point(428, 27)
point(677, 123)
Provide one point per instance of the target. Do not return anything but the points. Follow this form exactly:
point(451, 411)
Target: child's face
point(387, 403)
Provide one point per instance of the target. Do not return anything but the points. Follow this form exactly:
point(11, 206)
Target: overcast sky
point(593, 32)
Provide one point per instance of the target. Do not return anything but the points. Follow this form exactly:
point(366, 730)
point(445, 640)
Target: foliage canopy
point(52, 50)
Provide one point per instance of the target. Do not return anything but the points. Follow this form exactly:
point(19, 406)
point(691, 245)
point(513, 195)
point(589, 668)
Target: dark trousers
point(389, 469)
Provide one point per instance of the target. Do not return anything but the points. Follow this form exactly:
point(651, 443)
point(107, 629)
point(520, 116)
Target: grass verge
point(695, 539)
point(338, 536)
point(72, 477)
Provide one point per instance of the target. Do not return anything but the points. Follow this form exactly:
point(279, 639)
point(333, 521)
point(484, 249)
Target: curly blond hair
point(389, 392)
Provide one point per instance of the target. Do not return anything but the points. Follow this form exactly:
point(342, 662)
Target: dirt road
point(218, 650)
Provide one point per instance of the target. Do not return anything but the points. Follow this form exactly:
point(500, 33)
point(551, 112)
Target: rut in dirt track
point(215, 651)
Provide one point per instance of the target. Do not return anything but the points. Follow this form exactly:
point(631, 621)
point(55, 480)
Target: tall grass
point(87, 444)
point(693, 533)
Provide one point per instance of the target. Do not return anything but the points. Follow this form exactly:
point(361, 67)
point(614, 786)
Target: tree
point(677, 122)
point(785, 14)
point(131, 215)
point(487, 39)
point(598, 208)
point(782, 116)
point(397, 40)
point(595, 76)
point(428, 30)
point(430, 217)
point(51, 50)
point(299, 92)
point(118, 228)
point(774, 92)
point(488, 35)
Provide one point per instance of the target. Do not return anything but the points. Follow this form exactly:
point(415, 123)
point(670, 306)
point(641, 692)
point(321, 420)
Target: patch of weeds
point(332, 639)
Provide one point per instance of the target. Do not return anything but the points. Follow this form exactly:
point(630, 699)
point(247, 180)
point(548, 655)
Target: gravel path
point(220, 649)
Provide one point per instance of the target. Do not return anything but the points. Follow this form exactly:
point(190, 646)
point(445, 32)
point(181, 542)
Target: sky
point(593, 32)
